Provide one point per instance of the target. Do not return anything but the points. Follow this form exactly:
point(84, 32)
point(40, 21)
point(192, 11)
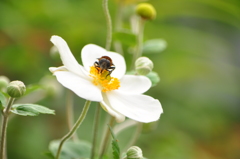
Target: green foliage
point(154, 77)
point(31, 88)
point(72, 149)
point(154, 46)
point(199, 69)
point(3, 101)
point(49, 155)
point(30, 110)
point(125, 37)
point(115, 146)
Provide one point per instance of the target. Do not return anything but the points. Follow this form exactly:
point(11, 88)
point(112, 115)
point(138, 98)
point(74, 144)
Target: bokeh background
point(199, 70)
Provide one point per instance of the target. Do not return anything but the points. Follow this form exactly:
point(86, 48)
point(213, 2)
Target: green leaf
point(3, 101)
point(49, 155)
point(153, 76)
point(154, 46)
point(31, 88)
point(115, 146)
point(70, 149)
point(30, 109)
point(125, 37)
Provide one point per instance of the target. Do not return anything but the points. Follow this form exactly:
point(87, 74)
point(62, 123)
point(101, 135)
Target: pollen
point(103, 79)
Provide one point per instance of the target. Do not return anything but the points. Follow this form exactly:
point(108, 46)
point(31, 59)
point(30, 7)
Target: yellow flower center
point(103, 79)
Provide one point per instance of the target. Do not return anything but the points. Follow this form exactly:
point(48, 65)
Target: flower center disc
point(103, 79)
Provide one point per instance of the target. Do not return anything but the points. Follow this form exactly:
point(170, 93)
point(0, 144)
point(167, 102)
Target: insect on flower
point(120, 95)
point(104, 63)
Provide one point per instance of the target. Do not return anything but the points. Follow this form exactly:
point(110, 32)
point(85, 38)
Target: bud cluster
point(143, 65)
point(16, 89)
point(134, 152)
point(3, 82)
point(146, 11)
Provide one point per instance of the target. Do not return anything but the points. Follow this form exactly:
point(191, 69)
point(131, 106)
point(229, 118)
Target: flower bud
point(143, 65)
point(134, 152)
point(3, 82)
point(16, 89)
point(146, 11)
point(54, 53)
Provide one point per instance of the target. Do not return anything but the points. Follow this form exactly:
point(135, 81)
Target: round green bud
point(16, 89)
point(143, 65)
point(134, 152)
point(146, 11)
point(3, 82)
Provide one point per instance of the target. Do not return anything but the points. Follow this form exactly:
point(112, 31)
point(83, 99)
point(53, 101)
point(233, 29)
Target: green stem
point(4, 128)
point(136, 135)
point(70, 114)
point(118, 27)
point(109, 24)
point(95, 130)
point(74, 128)
point(106, 138)
point(138, 52)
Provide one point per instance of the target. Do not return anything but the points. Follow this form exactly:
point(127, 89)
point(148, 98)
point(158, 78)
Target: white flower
point(120, 95)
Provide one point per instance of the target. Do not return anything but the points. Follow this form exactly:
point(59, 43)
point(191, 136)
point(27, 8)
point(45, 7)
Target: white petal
point(120, 65)
point(54, 69)
point(80, 86)
point(141, 108)
point(66, 55)
point(107, 107)
point(132, 84)
point(91, 53)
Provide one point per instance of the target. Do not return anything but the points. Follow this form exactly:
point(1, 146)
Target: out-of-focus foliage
point(199, 71)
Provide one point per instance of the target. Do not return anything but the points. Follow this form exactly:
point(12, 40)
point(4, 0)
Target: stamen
point(104, 80)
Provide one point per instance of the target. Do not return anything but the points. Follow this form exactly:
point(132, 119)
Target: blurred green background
point(199, 70)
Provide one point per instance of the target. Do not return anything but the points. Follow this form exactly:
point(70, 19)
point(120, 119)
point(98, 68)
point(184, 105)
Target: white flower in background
point(120, 95)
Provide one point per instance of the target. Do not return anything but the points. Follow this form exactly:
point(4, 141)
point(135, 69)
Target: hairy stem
point(70, 114)
point(138, 52)
point(109, 24)
point(136, 135)
point(106, 138)
point(95, 130)
point(74, 128)
point(4, 128)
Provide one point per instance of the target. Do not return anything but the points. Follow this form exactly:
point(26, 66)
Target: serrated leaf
point(70, 149)
point(30, 109)
point(154, 46)
point(3, 101)
point(115, 146)
point(125, 37)
point(153, 76)
point(116, 149)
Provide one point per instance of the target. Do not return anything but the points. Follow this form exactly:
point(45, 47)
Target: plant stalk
point(109, 24)
point(106, 138)
point(4, 128)
point(74, 128)
point(139, 46)
point(95, 130)
point(70, 114)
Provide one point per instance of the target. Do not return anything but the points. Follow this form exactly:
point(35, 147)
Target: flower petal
point(54, 69)
point(66, 55)
point(141, 108)
point(132, 84)
point(91, 53)
point(107, 107)
point(120, 65)
point(80, 86)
